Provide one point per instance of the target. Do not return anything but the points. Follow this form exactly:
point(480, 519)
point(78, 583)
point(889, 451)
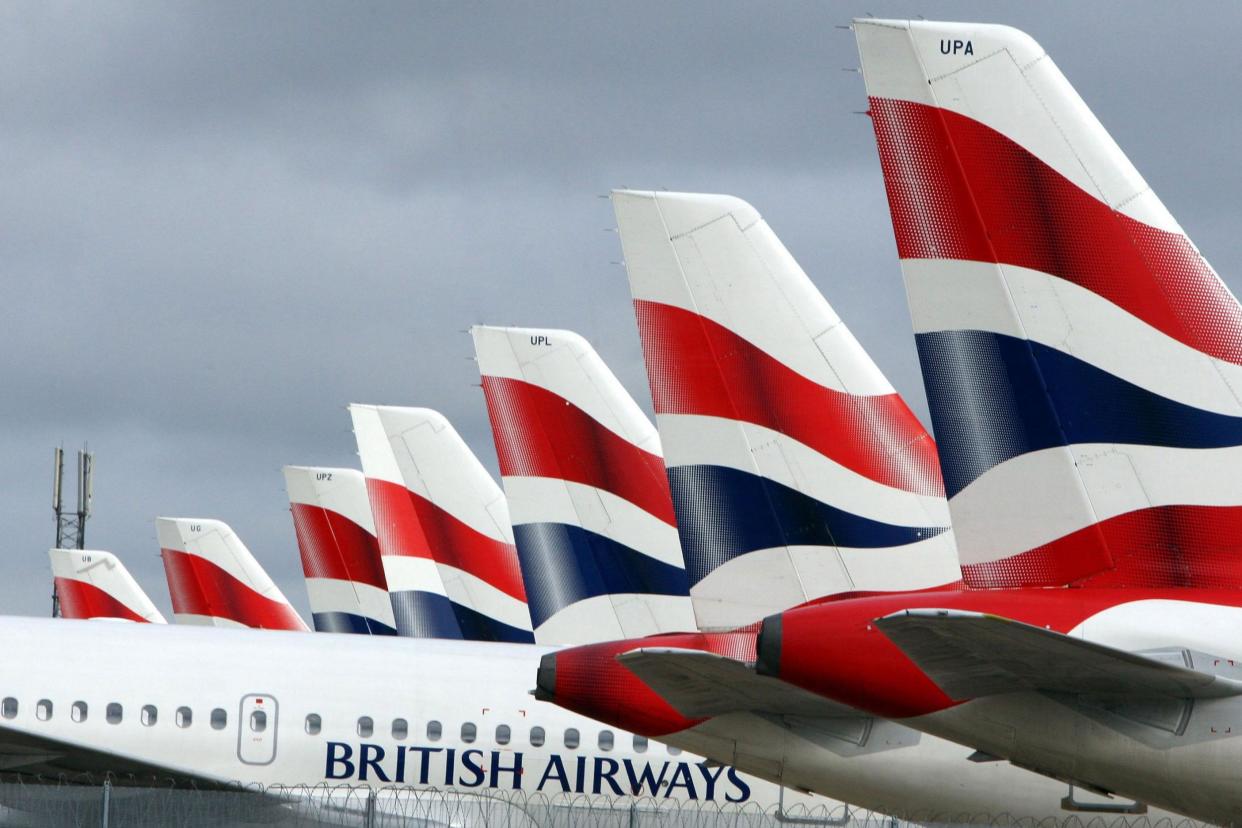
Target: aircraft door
point(256, 729)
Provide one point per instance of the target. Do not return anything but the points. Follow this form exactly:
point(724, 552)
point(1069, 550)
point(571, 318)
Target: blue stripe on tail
point(564, 564)
point(348, 622)
point(424, 615)
point(724, 513)
point(994, 397)
point(476, 626)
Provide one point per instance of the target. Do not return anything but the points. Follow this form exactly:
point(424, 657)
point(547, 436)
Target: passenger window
point(219, 719)
point(8, 708)
point(503, 734)
point(400, 729)
point(673, 751)
point(258, 721)
point(313, 724)
point(184, 717)
point(606, 740)
point(468, 732)
point(640, 743)
point(366, 726)
point(572, 738)
point(78, 711)
point(43, 710)
point(148, 715)
point(113, 713)
point(434, 731)
point(537, 736)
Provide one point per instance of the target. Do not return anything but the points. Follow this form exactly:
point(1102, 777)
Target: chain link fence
point(109, 805)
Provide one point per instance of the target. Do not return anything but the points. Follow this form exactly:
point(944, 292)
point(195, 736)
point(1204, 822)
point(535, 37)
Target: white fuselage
point(284, 708)
point(443, 691)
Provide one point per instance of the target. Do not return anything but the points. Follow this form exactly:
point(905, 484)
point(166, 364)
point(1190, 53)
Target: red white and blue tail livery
point(339, 550)
point(582, 470)
point(434, 502)
point(1083, 362)
point(796, 470)
point(420, 605)
point(91, 584)
point(215, 581)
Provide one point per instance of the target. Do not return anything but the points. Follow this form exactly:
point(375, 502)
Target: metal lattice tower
point(71, 526)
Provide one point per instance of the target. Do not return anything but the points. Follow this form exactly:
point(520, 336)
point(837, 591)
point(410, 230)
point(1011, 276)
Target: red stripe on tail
point(697, 366)
point(540, 434)
point(81, 600)
point(958, 189)
point(333, 546)
point(199, 587)
point(409, 524)
point(1164, 546)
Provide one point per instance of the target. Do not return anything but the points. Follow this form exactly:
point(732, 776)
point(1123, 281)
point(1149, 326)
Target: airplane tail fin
point(434, 503)
point(1083, 362)
point(797, 472)
point(215, 581)
point(340, 553)
point(94, 584)
point(589, 500)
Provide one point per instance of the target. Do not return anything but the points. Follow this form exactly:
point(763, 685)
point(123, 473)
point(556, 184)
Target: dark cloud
point(222, 222)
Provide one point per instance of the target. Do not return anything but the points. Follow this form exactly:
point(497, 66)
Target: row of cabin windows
point(148, 715)
point(470, 732)
point(114, 713)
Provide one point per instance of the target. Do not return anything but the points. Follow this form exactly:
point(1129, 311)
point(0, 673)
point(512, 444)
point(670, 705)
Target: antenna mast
point(71, 526)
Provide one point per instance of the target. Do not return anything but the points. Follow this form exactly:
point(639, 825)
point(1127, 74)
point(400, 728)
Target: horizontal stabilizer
point(700, 684)
point(971, 654)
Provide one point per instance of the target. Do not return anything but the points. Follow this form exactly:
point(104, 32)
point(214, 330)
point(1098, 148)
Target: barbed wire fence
point(112, 804)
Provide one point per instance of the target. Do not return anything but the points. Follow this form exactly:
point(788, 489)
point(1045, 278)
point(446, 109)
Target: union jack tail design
point(797, 472)
point(588, 497)
point(443, 528)
point(1083, 362)
point(214, 580)
point(340, 553)
point(95, 584)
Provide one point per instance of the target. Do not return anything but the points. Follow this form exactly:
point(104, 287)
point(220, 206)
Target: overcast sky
point(220, 223)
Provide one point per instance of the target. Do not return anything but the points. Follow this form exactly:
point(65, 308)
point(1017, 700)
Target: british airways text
point(441, 766)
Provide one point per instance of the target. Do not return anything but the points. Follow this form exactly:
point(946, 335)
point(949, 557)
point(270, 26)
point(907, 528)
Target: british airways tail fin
point(797, 472)
point(339, 550)
point(588, 497)
point(1083, 362)
point(95, 584)
point(215, 581)
point(435, 504)
point(420, 604)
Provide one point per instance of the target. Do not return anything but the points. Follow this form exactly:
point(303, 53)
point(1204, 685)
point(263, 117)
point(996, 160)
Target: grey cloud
point(222, 222)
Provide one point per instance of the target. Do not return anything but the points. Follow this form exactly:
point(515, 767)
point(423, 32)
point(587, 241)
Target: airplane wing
point(31, 759)
point(700, 684)
point(971, 654)
point(30, 755)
